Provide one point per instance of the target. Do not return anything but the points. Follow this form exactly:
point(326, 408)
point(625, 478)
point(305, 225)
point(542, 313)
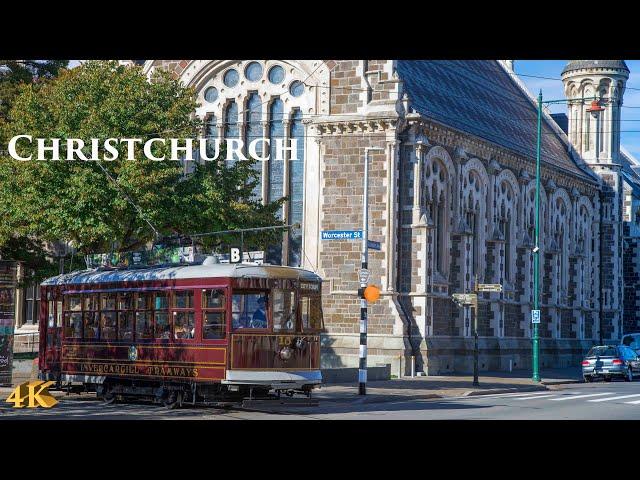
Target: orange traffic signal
point(371, 293)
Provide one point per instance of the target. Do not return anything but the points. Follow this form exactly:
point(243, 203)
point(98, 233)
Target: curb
point(561, 382)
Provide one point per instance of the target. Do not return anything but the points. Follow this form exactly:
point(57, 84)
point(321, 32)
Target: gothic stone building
point(451, 199)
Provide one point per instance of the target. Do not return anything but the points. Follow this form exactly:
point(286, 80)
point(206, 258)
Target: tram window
point(91, 302)
point(108, 325)
point(144, 325)
point(91, 326)
point(212, 298)
point(284, 312)
point(162, 326)
point(125, 326)
point(183, 299)
point(73, 325)
point(125, 301)
point(249, 310)
point(161, 301)
point(74, 303)
point(311, 313)
point(213, 326)
point(108, 301)
point(183, 325)
point(144, 301)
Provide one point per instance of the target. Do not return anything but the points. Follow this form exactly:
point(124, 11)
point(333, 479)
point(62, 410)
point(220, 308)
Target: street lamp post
point(594, 110)
point(364, 275)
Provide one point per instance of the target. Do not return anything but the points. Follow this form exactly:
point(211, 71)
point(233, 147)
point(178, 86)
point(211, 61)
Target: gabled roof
point(479, 97)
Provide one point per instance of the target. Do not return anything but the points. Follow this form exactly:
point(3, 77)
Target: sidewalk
point(419, 388)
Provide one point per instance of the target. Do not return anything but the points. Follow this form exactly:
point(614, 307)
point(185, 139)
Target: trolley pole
point(362, 370)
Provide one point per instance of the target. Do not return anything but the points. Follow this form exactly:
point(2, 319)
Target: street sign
point(490, 287)
point(341, 235)
point(373, 245)
point(363, 275)
point(464, 298)
point(535, 316)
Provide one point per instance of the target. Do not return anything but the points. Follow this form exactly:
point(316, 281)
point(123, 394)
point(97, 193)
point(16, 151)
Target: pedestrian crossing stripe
point(537, 396)
point(573, 397)
point(608, 399)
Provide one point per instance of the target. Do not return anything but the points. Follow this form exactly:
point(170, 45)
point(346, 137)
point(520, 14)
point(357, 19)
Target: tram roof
point(177, 272)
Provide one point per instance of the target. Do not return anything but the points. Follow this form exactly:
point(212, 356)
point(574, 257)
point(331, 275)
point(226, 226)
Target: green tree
point(91, 203)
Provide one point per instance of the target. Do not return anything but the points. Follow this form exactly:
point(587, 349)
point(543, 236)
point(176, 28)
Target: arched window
point(276, 167)
point(211, 133)
point(254, 131)
point(506, 232)
point(296, 185)
point(231, 128)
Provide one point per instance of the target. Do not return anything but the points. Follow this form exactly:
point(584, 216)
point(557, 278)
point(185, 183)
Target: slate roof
point(480, 98)
point(630, 171)
point(580, 64)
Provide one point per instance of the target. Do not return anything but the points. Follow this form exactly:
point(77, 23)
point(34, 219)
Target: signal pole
point(364, 276)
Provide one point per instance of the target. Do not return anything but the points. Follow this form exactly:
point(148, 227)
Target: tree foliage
point(78, 202)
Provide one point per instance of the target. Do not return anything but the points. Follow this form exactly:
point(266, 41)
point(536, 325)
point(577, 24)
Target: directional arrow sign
point(464, 298)
point(490, 287)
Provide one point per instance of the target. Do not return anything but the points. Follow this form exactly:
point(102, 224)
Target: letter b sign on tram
point(235, 255)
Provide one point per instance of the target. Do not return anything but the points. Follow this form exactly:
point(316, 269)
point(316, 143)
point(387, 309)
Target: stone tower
point(595, 90)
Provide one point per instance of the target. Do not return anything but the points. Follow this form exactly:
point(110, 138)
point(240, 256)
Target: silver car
point(608, 361)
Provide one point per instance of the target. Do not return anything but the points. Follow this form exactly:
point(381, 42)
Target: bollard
point(510, 365)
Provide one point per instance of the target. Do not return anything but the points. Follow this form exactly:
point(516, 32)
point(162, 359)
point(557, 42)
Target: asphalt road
point(612, 401)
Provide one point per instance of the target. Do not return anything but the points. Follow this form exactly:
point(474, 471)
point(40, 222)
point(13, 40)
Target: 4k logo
point(32, 394)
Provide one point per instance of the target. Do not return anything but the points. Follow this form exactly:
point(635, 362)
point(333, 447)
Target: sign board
point(7, 318)
point(535, 316)
point(234, 255)
point(158, 255)
point(373, 245)
point(490, 287)
point(464, 298)
point(341, 235)
point(363, 275)
point(250, 257)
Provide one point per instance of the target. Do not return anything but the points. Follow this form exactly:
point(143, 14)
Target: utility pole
point(364, 276)
point(536, 250)
point(476, 383)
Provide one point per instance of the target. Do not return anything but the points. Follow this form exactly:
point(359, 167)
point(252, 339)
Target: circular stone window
point(296, 88)
point(211, 94)
point(276, 74)
point(231, 78)
point(253, 72)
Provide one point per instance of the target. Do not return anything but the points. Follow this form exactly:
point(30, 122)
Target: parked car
point(631, 340)
point(608, 361)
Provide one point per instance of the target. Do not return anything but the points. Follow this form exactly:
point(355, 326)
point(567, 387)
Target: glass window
point(249, 310)
point(296, 88)
point(125, 326)
point(73, 325)
point(91, 325)
point(231, 128)
point(603, 351)
point(74, 303)
point(125, 301)
point(161, 301)
point(183, 325)
point(296, 189)
point(276, 74)
point(144, 301)
point(144, 325)
point(108, 325)
point(91, 303)
point(108, 301)
point(213, 299)
point(183, 299)
point(253, 72)
point(213, 325)
point(162, 326)
point(284, 312)
point(231, 78)
point(211, 94)
point(211, 133)
point(311, 313)
point(254, 131)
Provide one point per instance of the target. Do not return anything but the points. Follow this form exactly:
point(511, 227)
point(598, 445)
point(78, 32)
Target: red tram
point(196, 333)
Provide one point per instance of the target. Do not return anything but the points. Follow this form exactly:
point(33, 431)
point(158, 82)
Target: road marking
point(635, 402)
point(536, 396)
point(573, 397)
point(614, 398)
point(513, 395)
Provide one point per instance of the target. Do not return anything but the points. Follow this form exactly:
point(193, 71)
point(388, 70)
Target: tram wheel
point(172, 400)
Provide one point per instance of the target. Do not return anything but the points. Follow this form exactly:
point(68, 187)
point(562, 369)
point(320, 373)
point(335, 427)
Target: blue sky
point(552, 90)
